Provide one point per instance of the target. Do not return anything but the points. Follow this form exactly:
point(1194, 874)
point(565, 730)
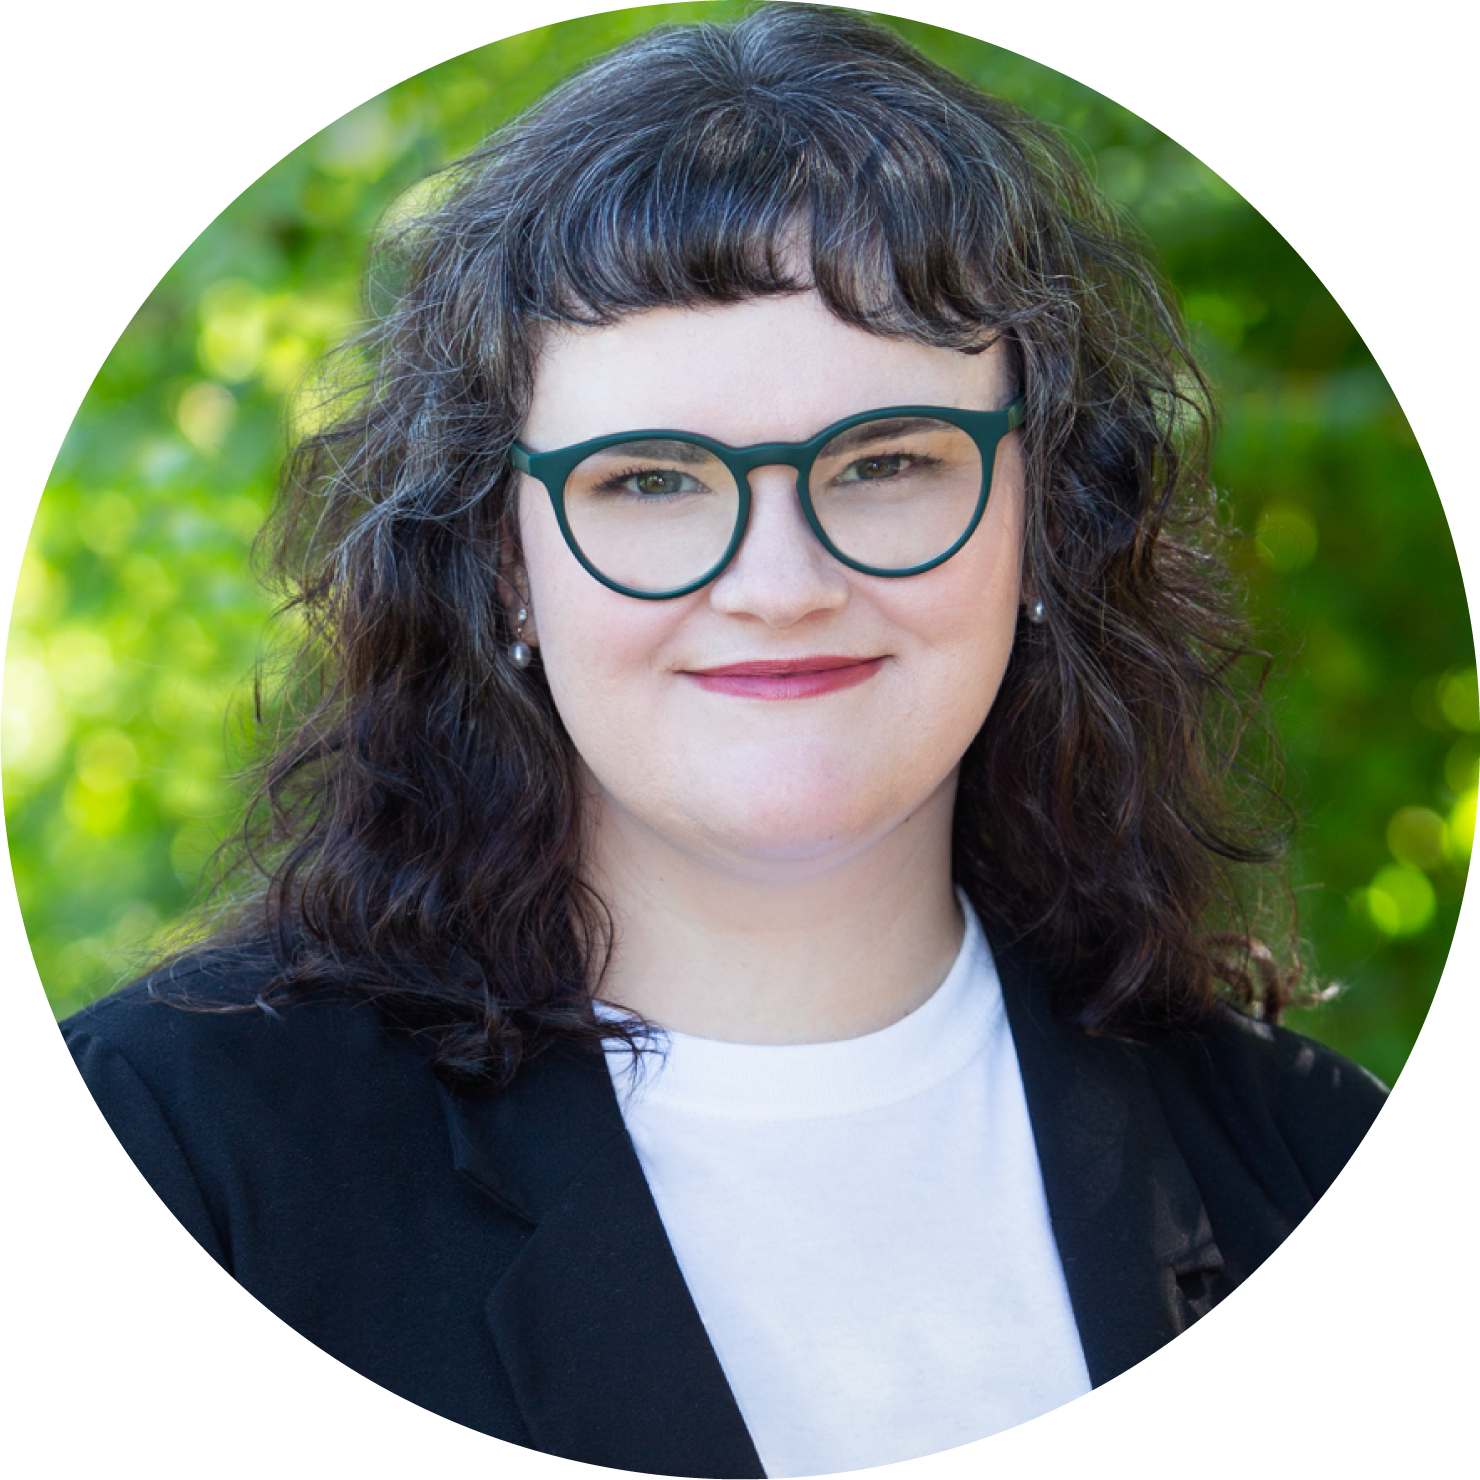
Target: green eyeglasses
point(658, 514)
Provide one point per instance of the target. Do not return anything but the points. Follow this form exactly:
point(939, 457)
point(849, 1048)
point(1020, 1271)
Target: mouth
point(786, 678)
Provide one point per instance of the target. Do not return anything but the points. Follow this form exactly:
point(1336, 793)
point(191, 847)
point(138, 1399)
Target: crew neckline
point(806, 1081)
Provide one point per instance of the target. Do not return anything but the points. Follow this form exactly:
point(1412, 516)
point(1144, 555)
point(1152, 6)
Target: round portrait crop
point(756, 936)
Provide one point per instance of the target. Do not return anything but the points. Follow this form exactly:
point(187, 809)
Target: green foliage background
point(137, 622)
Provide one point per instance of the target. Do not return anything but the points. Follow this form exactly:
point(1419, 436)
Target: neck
point(802, 952)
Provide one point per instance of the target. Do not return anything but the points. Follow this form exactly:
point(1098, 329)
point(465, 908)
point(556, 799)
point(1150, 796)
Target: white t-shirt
point(863, 1228)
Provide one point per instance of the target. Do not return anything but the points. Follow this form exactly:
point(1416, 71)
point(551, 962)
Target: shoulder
point(1260, 1115)
point(312, 1152)
point(207, 1017)
point(1291, 1109)
point(202, 1030)
point(204, 1082)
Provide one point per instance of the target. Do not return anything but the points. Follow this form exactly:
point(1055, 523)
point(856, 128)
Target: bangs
point(713, 179)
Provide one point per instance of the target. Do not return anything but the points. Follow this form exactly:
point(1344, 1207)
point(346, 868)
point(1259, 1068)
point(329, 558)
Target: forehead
point(766, 369)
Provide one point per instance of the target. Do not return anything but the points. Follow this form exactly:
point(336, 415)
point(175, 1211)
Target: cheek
point(980, 594)
point(965, 622)
point(598, 649)
point(598, 652)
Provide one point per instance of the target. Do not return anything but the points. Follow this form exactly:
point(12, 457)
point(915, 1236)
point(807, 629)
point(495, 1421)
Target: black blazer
point(500, 1260)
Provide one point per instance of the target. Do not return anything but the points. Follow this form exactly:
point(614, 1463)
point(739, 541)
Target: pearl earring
point(1035, 610)
point(520, 652)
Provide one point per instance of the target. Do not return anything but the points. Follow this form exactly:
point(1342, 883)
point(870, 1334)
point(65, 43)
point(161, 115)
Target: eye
point(880, 465)
point(659, 481)
point(651, 483)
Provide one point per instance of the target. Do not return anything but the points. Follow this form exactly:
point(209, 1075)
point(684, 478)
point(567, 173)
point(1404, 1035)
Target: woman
point(749, 972)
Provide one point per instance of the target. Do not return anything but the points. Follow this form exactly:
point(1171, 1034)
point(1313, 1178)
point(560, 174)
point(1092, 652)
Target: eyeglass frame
point(553, 470)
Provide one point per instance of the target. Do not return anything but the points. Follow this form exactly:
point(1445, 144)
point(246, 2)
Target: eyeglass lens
point(659, 514)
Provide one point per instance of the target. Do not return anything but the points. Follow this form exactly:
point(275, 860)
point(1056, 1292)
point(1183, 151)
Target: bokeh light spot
point(1415, 836)
point(358, 146)
point(148, 584)
point(1459, 829)
point(107, 761)
point(96, 813)
point(1459, 698)
point(80, 663)
point(1462, 765)
point(1400, 900)
point(204, 413)
point(34, 726)
point(40, 591)
point(108, 522)
point(233, 330)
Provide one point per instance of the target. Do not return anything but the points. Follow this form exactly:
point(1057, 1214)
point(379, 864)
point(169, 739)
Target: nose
point(781, 573)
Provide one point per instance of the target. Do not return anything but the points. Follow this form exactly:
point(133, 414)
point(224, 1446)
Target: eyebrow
point(688, 453)
point(873, 431)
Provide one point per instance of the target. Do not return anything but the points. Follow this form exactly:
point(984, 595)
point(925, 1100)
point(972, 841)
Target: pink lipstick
point(789, 678)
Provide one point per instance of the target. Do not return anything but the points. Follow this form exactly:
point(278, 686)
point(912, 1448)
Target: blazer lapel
point(607, 1356)
point(1133, 1236)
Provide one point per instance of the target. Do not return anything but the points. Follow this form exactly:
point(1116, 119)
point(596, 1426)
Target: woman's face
point(768, 773)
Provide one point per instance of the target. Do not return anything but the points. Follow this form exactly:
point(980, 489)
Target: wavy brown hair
point(418, 825)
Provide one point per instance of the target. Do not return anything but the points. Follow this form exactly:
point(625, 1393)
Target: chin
point(796, 820)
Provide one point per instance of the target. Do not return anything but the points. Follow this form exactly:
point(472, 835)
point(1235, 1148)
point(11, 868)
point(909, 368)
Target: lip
point(786, 678)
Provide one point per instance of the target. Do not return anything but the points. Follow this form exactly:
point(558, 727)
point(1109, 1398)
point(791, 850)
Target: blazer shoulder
point(196, 1051)
point(215, 978)
point(209, 1011)
point(1287, 1103)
